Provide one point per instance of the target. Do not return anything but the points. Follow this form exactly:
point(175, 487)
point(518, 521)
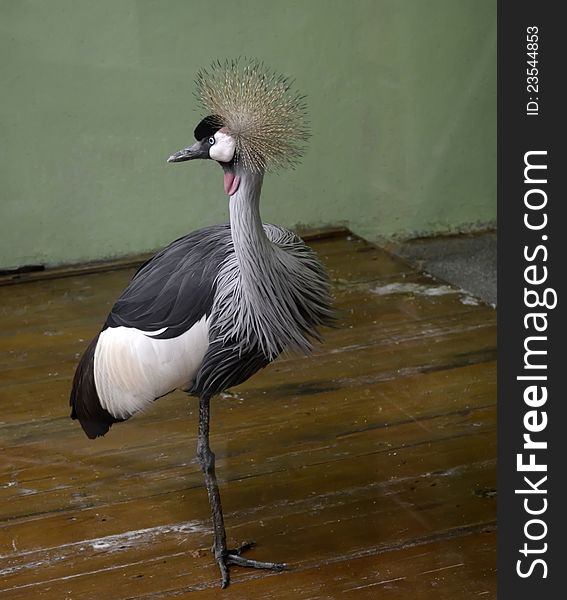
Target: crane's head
point(216, 143)
point(255, 123)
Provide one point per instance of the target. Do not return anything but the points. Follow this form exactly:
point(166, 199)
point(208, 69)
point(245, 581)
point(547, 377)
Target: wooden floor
point(368, 468)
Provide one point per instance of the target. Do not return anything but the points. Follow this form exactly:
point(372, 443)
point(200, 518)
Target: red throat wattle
point(231, 183)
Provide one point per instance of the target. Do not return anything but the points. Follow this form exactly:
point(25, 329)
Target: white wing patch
point(132, 369)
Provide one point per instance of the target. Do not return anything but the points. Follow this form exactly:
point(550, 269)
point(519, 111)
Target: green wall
point(96, 95)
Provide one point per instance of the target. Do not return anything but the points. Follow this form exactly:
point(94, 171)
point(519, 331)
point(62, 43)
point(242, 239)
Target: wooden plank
point(412, 392)
point(288, 483)
point(349, 520)
point(336, 411)
point(151, 473)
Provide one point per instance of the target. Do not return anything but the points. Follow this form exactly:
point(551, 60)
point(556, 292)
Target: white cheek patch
point(223, 148)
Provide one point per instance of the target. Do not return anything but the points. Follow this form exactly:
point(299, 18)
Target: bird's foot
point(233, 557)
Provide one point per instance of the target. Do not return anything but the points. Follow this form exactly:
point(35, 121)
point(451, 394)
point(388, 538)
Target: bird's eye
point(211, 140)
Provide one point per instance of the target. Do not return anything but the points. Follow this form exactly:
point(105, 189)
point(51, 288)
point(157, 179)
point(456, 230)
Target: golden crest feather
point(259, 109)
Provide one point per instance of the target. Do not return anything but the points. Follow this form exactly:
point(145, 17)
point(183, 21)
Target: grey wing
point(176, 287)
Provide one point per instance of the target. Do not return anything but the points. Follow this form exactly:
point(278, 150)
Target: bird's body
point(217, 305)
point(203, 315)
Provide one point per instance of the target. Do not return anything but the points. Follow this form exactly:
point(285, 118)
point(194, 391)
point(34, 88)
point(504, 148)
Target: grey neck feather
point(248, 235)
point(272, 292)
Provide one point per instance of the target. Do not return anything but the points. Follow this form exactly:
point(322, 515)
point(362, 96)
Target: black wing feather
point(84, 401)
point(176, 287)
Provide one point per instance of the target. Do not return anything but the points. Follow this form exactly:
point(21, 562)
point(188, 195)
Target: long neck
point(272, 297)
point(248, 235)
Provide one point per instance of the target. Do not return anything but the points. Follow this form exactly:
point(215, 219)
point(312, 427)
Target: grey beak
point(194, 151)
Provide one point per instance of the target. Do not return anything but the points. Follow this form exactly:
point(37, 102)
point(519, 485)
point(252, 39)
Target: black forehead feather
point(207, 127)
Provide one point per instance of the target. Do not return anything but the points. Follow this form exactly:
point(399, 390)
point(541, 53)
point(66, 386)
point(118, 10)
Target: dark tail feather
point(84, 401)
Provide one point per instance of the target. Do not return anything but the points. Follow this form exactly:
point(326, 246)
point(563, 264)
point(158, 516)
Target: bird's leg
point(223, 556)
point(207, 462)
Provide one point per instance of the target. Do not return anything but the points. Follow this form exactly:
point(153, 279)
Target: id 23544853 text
point(532, 70)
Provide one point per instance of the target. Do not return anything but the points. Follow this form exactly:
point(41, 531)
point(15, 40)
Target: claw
point(236, 559)
point(225, 577)
point(233, 557)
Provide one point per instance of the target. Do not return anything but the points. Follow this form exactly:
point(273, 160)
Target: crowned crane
point(217, 305)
